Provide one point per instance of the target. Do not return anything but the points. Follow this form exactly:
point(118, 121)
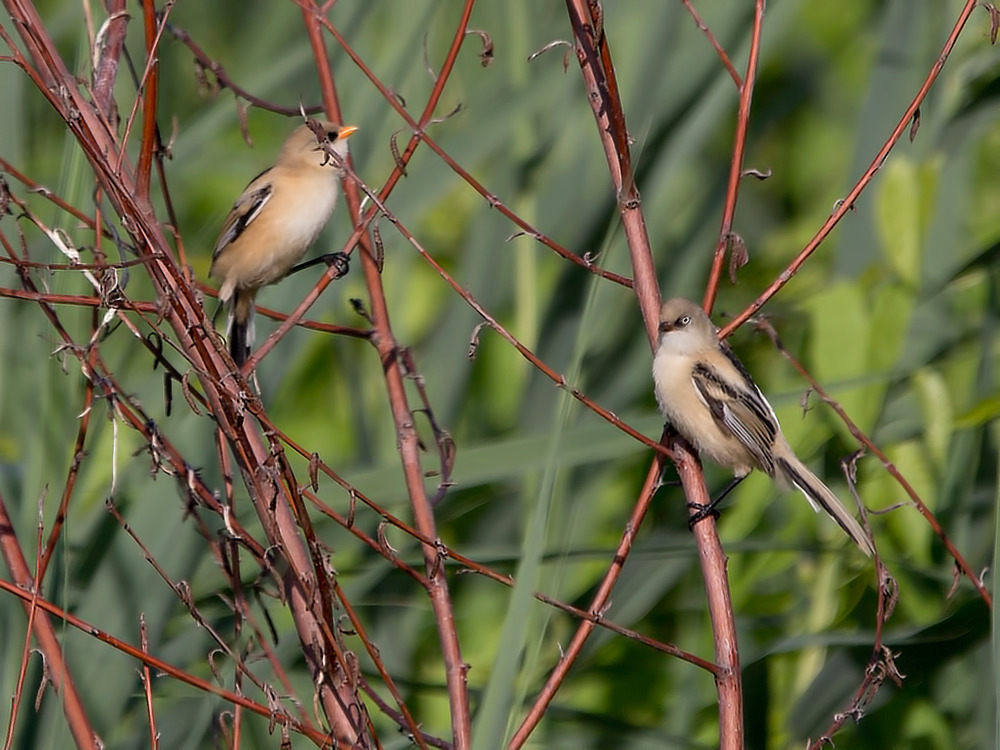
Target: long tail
point(240, 327)
point(820, 496)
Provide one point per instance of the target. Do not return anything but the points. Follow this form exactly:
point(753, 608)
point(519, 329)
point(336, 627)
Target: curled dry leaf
point(890, 590)
point(202, 79)
point(994, 21)
point(352, 508)
point(241, 113)
point(379, 247)
point(398, 97)
point(394, 149)
point(486, 55)
point(314, 472)
point(4, 197)
point(448, 449)
point(186, 389)
point(552, 45)
point(474, 340)
point(804, 402)
point(597, 18)
point(168, 393)
point(383, 542)
point(438, 120)
point(738, 255)
point(915, 124)
point(360, 309)
point(837, 204)
point(956, 579)
point(44, 682)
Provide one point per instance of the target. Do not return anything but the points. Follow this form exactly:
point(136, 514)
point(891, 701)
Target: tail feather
point(821, 497)
point(240, 328)
point(239, 347)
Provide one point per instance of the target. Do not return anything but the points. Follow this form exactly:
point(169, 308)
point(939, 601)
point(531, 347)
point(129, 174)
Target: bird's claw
point(340, 261)
point(701, 512)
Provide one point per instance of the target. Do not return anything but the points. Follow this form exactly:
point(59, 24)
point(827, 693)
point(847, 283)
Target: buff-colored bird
point(273, 223)
point(707, 394)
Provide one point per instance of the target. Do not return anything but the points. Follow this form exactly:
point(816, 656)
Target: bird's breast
point(277, 239)
point(687, 411)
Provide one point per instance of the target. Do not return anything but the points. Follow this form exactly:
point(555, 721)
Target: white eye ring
point(685, 320)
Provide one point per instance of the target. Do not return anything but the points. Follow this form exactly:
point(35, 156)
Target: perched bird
point(273, 222)
point(706, 393)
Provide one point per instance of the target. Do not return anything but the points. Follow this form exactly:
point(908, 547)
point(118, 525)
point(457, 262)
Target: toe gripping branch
point(340, 261)
point(701, 512)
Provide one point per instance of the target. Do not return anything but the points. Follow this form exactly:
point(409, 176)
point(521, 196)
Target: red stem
point(847, 203)
point(736, 162)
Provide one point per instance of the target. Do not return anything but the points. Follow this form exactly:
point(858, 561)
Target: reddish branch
point(596, 611)
point(159, 665)
point(713, 560)
point(207, 63)
point(890, 467)
point(94, 132)
point(594, 56)
point(149, 85)
point(419, 135)
point(25, 586)
point(168, 459)
point(111, 43)
point(726, 237)
point(714, 42)
point(163, 454)
point(378, 200)
point(847, 204)
point(385, 343)
point(279, 499)
point(273, 495)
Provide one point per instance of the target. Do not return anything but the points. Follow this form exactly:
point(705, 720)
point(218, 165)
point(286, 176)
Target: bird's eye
point(332, 135)
point(683, 320)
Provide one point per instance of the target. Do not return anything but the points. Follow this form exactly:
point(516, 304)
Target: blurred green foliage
point(896, 315)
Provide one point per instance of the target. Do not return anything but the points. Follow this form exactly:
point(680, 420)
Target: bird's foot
point(339, 261)
point(701, 512)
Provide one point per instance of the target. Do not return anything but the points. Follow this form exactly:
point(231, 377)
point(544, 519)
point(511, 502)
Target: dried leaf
point(379, 247)
point(188, 392)
point(486, 56)
point(168, 393)
point(474, 340)
point(394, 148)
point(314, 472)
point(738, 255)
point(994, 20)
point(241, 113)
point(552, 45)
point(352, 508)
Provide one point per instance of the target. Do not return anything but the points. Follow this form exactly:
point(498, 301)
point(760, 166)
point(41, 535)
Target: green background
point(896, 315)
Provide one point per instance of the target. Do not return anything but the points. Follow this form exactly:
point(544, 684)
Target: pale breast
point(685, 409)
point(278, 239)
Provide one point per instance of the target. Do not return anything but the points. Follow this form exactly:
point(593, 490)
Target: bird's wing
point(740, 410)
point(245, 210)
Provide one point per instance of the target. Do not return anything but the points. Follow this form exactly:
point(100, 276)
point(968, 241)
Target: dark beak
point(665, 327)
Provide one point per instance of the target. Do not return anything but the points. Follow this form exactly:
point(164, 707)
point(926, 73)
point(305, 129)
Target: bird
point(708, 396)
point(274, 221)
